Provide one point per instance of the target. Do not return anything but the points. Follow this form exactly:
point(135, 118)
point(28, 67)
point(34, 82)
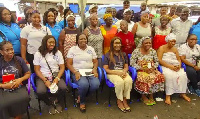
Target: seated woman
point(175, 77)
point(49, 68)
point(13, 95)
point(188, 52)
point(83, 57)
point(116, 66)
point(149, 79)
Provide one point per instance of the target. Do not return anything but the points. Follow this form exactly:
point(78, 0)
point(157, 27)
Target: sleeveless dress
point(159, 38)
point(175, 82)
point(142, 32)
point(95, 39)
point(70, 40)
point(108, 35)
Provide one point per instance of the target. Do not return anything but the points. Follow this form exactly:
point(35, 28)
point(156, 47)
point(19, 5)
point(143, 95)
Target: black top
point(11, 68)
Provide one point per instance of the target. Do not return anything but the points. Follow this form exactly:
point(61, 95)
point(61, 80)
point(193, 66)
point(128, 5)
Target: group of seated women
point(49, 67)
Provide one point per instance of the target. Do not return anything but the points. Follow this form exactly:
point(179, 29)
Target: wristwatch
point(58, 78)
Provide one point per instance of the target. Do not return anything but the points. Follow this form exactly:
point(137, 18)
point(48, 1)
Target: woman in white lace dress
point(175, 77)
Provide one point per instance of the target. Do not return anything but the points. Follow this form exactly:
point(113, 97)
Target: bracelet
point(58, 78)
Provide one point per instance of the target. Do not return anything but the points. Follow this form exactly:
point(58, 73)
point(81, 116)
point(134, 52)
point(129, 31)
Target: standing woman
point(196, 30)
point(13, 96)
point(31, 38)
point(67, 37)
point(50, 22)
point(64, 23)
point(95, 38)
point(142, 28)
point(10, 28)
point(127, 37)
point(160, 32)
point(108, 31)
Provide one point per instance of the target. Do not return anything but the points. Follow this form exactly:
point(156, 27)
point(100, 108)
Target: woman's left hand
point(55, 81)
point(16, 82)
point(94, 71)
point(178, 67)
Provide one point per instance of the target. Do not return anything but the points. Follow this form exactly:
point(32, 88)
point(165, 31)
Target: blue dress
point(55, 31)
point(12, 33)
point(196, 30)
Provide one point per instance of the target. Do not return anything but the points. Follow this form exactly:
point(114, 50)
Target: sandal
point(153, 101)
point(83, 109)
point(148, 102)
point(128, 109)
point(122, 109)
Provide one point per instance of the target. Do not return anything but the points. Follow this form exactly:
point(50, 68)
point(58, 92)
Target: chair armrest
point(99, 74)
point(29, 86)
point(133, 73)
point(183, 66)
point(32, 80)
point(160, 69)
point(110, 84)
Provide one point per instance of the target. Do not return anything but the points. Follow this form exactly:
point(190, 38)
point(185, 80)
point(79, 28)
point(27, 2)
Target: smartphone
point(87, 73)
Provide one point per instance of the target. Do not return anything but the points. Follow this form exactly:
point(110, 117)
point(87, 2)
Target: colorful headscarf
point(107, 16)
point(170, 36)
point(142, 40)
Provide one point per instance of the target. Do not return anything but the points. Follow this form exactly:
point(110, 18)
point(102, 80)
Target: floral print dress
point(147, 83)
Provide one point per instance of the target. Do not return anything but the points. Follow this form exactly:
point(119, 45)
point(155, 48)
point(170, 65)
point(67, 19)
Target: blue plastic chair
point(32, 80)
point(183, 66)
point(75, 86)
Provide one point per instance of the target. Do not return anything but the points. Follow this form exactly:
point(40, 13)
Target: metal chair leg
point(27, 111)
point(109, 97)
point(73, 93)
point(65, 101)
point(40, 107)
point(97, 97)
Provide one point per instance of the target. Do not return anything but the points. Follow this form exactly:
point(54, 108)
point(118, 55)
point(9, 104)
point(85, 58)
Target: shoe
point(52, 110)
point(122, 109)
point(191, 90)
point(83, 109)
point(153, 101)
point(128, 109)
point(58, 108)
point(197, 92)
point(148, 102)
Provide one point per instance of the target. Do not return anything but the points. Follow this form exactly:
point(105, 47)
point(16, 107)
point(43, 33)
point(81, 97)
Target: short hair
point(126, 2)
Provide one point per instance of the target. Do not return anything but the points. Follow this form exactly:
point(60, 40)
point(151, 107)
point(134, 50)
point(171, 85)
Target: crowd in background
point(120, 39)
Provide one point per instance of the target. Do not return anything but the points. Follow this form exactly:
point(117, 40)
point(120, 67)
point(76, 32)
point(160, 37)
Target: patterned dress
point(108, 35)
point(70, 40)
point(159, 38)
point(95, 39)
point(147, 83)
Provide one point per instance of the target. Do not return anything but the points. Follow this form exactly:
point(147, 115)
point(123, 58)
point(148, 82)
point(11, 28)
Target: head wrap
point(70, 15)
point(168, 17)
point(170, 36)
point(142, 40)
point(93, 6)
point(107, 16)
point(127, 10)
point(186, 9)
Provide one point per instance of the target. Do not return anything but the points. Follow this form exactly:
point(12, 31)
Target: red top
point(128, 44)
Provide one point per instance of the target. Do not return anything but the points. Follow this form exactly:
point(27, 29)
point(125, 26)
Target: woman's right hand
point(9, 85)
point(77, 75)
point(174, 68)
point(47, 83)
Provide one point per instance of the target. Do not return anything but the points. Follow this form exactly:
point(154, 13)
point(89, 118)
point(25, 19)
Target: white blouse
point(189, 52)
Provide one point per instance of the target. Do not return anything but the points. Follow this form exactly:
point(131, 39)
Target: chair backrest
point(129, 56)
point(183, 66)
